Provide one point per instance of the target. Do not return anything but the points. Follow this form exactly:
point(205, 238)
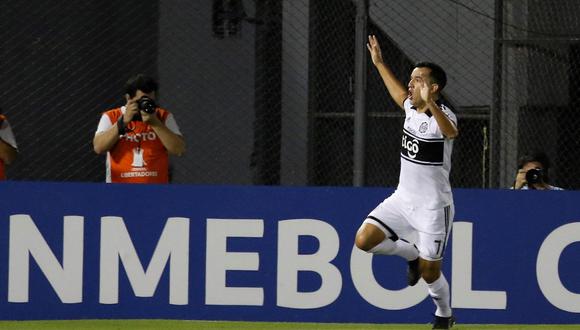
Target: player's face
point(419, 76)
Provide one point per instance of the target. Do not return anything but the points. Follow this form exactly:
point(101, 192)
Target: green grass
point(194, 325)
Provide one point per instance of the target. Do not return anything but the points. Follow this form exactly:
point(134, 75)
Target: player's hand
point(131, 110)
point(375, 50)
point(520, 179)
point(426, 94)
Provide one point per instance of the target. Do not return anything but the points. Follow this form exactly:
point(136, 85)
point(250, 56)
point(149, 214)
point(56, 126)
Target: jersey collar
point(439, 102)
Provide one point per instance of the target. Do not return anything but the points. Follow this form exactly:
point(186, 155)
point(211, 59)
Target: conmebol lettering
point(170, 253)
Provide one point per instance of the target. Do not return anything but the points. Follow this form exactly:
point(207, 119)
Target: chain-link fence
point(461, 41)
point(537, 87)
point(269, 92)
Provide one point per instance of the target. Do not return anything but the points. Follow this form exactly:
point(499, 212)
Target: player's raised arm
point(396, 89)
point(447, 127)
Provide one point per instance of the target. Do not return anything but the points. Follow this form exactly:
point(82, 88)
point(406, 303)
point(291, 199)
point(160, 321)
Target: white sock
point(439, 292)
point(407, 250)
point(399, 248)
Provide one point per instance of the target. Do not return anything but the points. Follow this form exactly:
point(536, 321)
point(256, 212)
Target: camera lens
point(146, 105)
point(534, 175)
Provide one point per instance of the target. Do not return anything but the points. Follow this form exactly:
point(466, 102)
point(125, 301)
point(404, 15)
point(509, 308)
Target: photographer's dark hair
point(539, 157)
point(140, 82)
point(437, 73)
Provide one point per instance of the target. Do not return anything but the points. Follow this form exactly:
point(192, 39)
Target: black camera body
point(535, 176)
point(147, 105)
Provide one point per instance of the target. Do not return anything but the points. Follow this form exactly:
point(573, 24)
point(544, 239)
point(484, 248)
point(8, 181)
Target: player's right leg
point(383, 229)
point(368, 236)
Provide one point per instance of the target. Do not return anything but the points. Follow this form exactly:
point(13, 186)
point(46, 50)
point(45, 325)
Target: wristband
point(121, 126)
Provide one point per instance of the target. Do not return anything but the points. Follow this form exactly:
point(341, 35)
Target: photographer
point(139, 136)
point(533, 173)
point(8, 147)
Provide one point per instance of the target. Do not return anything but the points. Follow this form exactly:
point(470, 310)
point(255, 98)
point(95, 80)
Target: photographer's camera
point(146, 105)
point(535, 176)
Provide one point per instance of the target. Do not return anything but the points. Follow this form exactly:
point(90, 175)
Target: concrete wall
point(208, 83)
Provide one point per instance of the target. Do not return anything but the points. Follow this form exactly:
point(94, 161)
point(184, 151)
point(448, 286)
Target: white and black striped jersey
point(425, 159)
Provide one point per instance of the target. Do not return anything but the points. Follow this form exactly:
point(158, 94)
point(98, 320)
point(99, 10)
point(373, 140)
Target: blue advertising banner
point(91, 251)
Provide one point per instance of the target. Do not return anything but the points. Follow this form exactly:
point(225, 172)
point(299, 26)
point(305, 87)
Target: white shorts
point(427, 229)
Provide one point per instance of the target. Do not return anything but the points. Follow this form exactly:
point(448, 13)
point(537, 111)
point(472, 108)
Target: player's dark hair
point(438, 75)
point(539, 157)
point(140, 82)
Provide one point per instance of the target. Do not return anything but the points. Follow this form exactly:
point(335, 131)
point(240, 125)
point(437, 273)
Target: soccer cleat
point(443, 322)
point(413, 274)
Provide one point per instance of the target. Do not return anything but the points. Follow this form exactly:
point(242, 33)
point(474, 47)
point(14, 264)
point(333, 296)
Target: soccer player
point(421, 209)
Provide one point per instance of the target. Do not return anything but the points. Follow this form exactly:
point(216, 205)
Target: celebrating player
point(415, 221)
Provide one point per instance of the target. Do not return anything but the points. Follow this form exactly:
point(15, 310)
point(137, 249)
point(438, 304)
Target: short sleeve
point(104, 124)
point(6, 134)
point(172, 124)
point(449, 114)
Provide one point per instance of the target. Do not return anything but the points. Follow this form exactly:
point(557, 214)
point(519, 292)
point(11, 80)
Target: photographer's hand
point(174, 143)
point(131, 110)
point(520, 179)
point(151, 119)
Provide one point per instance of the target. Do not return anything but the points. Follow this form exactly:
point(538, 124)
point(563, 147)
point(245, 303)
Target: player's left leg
point(439, 291)
point(438, 286)
point(434, 229)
